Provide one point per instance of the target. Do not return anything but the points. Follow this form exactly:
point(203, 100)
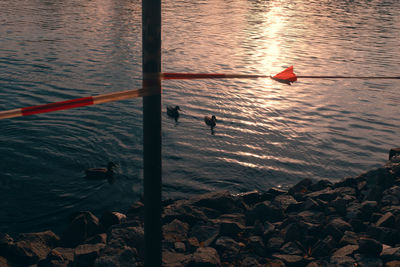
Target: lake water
point(268, 134)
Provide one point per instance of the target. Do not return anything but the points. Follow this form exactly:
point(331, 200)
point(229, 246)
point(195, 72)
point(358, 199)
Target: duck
point(101, 173)
point(173, 112)
point(210, 121)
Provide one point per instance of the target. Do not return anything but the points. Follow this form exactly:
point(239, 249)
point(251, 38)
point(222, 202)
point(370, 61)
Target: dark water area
point(268, 134)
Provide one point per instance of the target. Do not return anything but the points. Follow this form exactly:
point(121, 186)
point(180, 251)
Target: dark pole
point(151, 52)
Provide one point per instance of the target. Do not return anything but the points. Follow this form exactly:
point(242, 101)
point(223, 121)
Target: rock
point(205, 233)
point(274, 244)
point(393, 264)
point(349, 238)
point(323, 247)
point(250, 198)
point(291, 232)
point(227, 248)
point(6, 263)
point(387, 220)
point(345, 251)
point(256, 244)
point(120, 238)
point(292, 248)
point(393, 152)
point(32, 247)
point(184, 212)
point(230, 227)
point(180, 247)
point(284, 201)
point(111, 218)
point(136, 211)
point(369, 246)
point(99, 238)
point(301, 187)
point(264, 211)
point(249, 262)
point(171, 259)
point(367, 261)
point(390, 254)
point(320, 185)
point(222, 201)
point(86, 254)
point(206, 256)
point(83, 226)
point(269, 230)
point(384, 235)
point(342, 261)
point(126, 257)
point(192, 244)
point(290, 260)
point(175, 231)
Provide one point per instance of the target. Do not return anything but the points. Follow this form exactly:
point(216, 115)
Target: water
point(268, 134)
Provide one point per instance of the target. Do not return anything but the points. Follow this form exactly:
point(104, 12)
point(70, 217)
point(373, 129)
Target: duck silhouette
point(173, 112)
point(101, 173)
point(211, 121)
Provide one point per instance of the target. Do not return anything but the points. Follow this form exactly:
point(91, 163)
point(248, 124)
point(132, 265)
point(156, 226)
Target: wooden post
point(151, 52)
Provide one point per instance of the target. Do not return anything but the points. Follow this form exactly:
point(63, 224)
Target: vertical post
point(151, 58)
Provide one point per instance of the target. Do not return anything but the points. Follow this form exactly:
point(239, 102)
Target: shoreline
point(355, 221)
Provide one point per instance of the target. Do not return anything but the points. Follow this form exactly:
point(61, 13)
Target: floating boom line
point(287, 76)
point(74, 103)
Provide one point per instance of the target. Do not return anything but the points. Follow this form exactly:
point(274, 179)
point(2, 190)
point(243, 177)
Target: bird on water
point(173, 112)
point(211, 121)
point(101, 173)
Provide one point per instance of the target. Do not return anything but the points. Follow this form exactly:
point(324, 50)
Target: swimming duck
point(210, 121)
point(101, 173)
point(173, 112)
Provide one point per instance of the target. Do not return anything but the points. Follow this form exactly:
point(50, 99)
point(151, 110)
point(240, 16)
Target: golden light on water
point(271, 46)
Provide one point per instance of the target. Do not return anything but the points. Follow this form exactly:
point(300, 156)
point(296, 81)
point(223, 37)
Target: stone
point(392, 264)
point(274, 244)
point(369, 246)
point(323, 247)
point(83, 226)
point(136, 211)
point(342, 261)
point(111, 218)
point(192, 244)
point(184, 212)
point(32, 247)
point(290, 260)
point(125, 256)
point(368, 261)
point(120, 238)
point(250, 198)
point(292, 248)
point(393, 152)
point(205, 233)
point(291, 232)
point(387, 220)
point(284, 201)
point(230, 227)
point(345, 251)
point(301, 187)
point(99, 238)
point(222, 201)
point(171, 259)
point(390, 254)
point(349, 238)
point(86, 254)
point(180, 247)
point(227, 248)
point(264, 211)
point(256, 244)
point(206, 256)
point(175, 231)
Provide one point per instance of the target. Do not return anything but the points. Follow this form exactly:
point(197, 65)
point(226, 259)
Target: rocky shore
point(354, 222)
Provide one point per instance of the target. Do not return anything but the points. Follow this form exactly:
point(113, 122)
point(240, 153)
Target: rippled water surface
point(268, 134)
